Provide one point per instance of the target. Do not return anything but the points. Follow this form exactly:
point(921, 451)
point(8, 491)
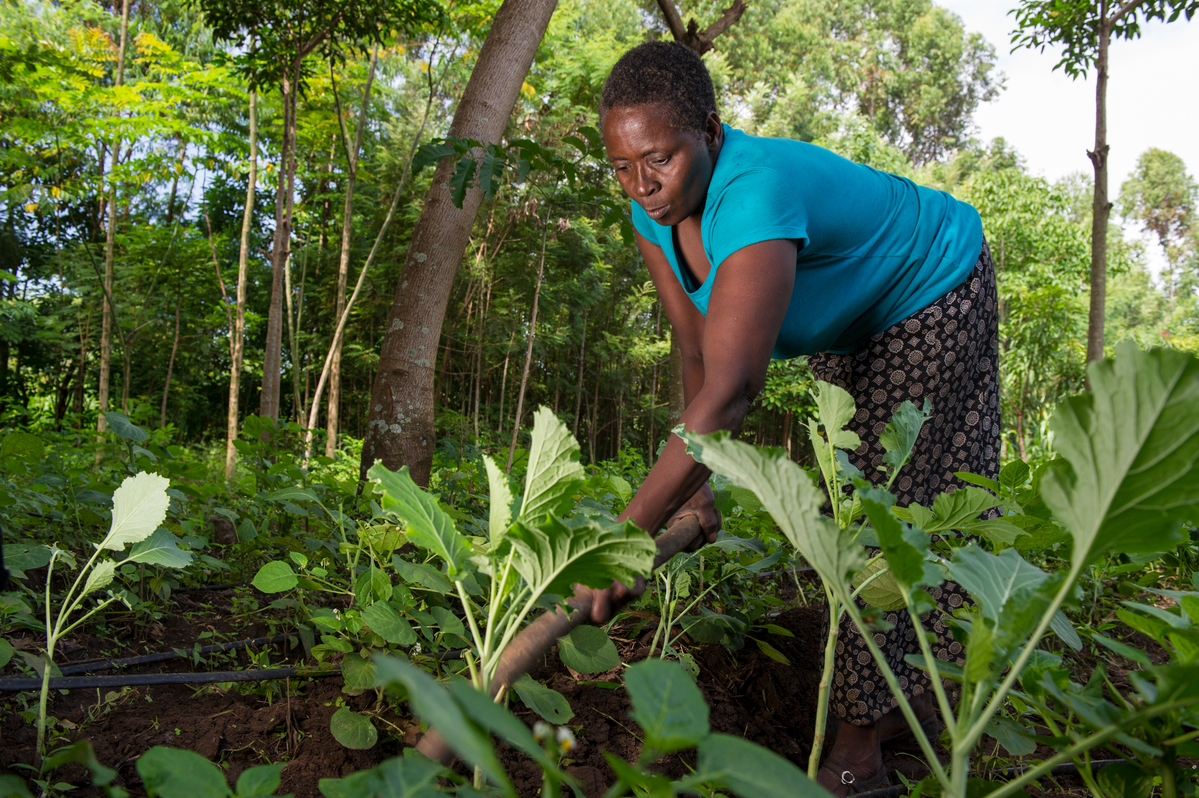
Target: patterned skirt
point(947, 353)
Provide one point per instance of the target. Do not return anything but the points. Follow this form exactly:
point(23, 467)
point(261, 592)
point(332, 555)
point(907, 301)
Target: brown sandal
point(846, 783)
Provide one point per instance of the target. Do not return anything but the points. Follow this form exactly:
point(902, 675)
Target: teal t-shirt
point(874, 248)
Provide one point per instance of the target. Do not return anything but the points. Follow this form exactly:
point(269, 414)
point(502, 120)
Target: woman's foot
point(893, 727)
point(855, 762)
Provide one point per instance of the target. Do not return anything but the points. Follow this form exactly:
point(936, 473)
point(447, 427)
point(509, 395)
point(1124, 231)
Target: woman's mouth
point(658, 212)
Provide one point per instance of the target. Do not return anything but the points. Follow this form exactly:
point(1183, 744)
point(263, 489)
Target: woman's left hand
point(702, 506)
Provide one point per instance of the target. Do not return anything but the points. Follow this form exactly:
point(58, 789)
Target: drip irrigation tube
point(145, 659)
point(140, 679)
point(1069, 769)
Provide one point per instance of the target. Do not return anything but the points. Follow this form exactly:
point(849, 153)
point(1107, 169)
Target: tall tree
point(1161, 195)
point(1084, 30)
point(286, 32)
point(400, 429)
point(108, 316)
point(237, 341)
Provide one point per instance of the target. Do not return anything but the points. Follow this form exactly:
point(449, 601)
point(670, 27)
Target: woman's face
point(665, 170)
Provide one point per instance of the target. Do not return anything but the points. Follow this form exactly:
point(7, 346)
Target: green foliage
point(179, 773)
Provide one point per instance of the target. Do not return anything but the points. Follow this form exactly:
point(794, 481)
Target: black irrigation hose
point(145, 659)
point(1069, 769)
point(139, 679)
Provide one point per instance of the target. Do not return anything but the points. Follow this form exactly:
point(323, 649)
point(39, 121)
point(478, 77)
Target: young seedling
point(139, 506)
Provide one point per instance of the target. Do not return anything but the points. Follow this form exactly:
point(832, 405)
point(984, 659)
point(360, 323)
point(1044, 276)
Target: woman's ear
point(713, 131)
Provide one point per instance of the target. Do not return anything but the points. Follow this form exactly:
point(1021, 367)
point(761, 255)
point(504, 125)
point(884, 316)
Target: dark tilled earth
point(750, 695)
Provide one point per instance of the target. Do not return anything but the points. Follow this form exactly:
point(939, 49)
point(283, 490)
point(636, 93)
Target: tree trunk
point(343, 264)
point(237, 345)
point(479, 354)
point(108, 316)
point(280, 251)
point(166, 388)
point(504, 379)
point(1101, 210)
point(400, 429)
point(579, 385)
point(676, 398)
point(524, 375)
point(370, 258)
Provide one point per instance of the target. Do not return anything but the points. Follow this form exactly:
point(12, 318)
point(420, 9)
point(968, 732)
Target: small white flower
point(416, 649)
point(566, 740)
point(542, 731)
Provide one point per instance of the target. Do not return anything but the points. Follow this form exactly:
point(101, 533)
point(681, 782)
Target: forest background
point(133, 140)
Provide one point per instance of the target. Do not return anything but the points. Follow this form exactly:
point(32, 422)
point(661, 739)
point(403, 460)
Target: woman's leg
point(948, 355)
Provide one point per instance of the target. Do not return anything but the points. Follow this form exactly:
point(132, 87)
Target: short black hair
point(665, 73)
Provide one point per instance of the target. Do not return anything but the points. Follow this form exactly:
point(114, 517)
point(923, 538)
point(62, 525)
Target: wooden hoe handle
point(536, 639)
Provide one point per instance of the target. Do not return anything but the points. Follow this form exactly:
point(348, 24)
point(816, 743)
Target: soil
point(240, 726)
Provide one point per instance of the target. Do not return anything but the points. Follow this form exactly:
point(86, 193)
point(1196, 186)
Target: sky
point(1050, 119)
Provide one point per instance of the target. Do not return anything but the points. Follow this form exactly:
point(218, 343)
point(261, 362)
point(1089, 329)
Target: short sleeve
point(756, 205)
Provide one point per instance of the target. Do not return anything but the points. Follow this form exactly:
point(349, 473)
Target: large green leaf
point(546, 702)
point(480, 708)
point(751, 771)
point(588, 649)
point(428, 526)
point(120, 424)
point(667, 705)
point(383, 619)
point(353, 730)
point(993, 579)
point(431, 704)
point(962, 507)
point(160, 549)
point(398, 777)
point(22, 446)
point(835, 407)
point(788, 494)
point(100, 576)
point(275, 577)
point(138, 507)
point(501, 501)
point(1133, 451)
point(179, 773)
point(552, 557)
point(899, 436)
point(554, 471)
point(261, 780)
point(22, 557)
point(906, 549)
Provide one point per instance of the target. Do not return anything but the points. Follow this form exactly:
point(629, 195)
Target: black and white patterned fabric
point(947, 353)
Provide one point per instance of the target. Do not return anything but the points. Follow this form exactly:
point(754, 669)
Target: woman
point(764, 248)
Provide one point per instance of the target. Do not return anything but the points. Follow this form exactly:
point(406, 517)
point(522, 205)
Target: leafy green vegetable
point(549, 704)
point(1133, 451)
point(429, 526)
point(667, 705)
point(554, 473)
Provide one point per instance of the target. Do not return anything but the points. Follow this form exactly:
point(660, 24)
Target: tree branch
point(1131, 5)
point(701, 41)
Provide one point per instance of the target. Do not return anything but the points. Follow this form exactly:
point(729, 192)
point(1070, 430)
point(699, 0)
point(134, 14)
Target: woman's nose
point(643, 184)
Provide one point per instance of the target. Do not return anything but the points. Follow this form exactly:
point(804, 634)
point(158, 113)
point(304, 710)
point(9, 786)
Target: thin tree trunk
point(579, 385)
point(166, 388)
point(479, 354)
point(280, 251)
point(524, 376)
point(400, 429)
point(370, 258)
point(108, 317)
point(504, 379)
point(343, 264)
point(676, 399)
point(238, 340)
point(1101, 209)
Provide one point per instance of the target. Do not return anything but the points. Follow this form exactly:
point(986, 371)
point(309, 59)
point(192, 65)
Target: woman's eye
point(660, 161)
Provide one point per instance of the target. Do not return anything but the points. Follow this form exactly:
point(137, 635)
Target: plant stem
point(826, 678)
point(1100, 737)
point(976, 730)
point(897, 691)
